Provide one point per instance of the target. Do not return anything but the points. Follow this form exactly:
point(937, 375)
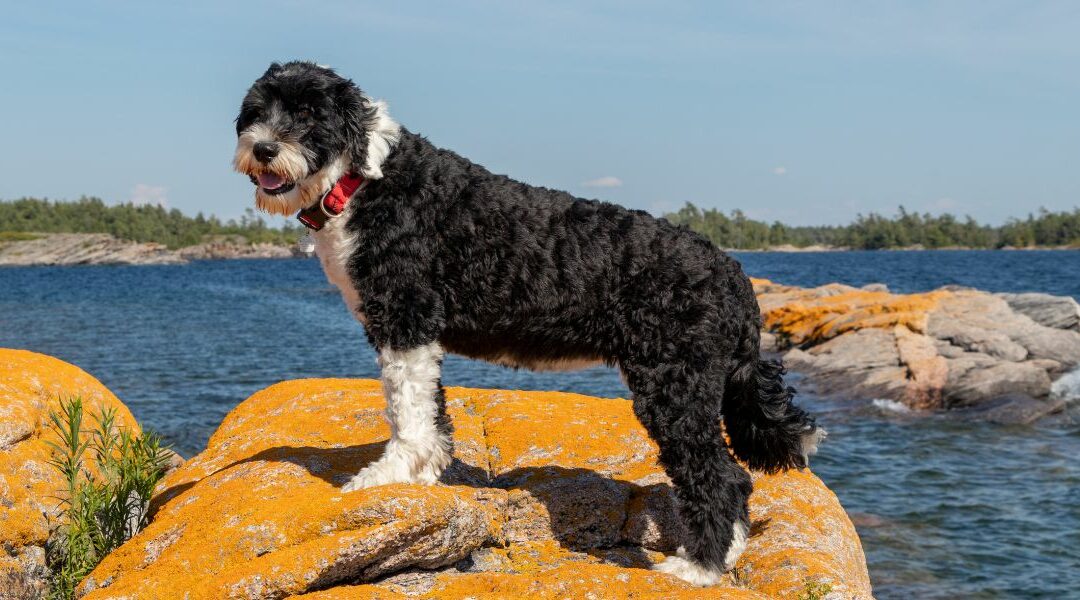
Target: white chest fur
point(334, 245)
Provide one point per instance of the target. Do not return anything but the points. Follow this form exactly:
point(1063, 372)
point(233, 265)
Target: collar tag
point(306, 244)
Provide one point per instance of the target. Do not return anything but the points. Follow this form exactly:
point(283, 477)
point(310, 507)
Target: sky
point(804, 112)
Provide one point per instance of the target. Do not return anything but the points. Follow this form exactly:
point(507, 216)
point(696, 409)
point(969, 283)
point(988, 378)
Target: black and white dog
point(433, 253)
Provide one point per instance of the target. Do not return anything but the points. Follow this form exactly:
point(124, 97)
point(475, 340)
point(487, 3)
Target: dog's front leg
point(420, 443)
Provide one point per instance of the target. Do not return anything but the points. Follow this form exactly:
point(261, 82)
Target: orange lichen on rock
point(578, 580)
point(260, 512)
point(352, 592)
point(32, 385)
point(949, 348)
point(596, 434)
point(534, 504)
point(812, 315)
point(800, 533)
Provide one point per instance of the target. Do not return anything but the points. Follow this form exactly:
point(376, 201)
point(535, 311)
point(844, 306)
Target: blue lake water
point(945, 509)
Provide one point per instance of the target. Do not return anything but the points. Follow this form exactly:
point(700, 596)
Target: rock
point(1013, 409)
point(864, 363)
point(928, 372)
point(550, 495)
point(1059, 312)
point(947, 350)
point(233, 247)
point(942, 349)
point(976, 323)
point(569, 580)
point(814, 315)
point(104, 249)
point(652, 521)
point(795, 547)
point(970, 383)
point(84, 249)
point(582, 509)
point(1057, 345)
point(981, 322)
point(31, 386)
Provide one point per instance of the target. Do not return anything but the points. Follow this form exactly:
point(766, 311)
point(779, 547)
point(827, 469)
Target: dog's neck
point(383, 134)
point(332, 203)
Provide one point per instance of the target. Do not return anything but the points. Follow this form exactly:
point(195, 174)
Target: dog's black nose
point(265, 151)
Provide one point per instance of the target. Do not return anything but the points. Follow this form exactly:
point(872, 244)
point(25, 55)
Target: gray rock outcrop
point(104, 249)
point(948, 349)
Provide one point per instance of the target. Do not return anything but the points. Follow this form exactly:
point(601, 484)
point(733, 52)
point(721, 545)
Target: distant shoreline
point(171, 236)
point(65, 249)
point(796, 249)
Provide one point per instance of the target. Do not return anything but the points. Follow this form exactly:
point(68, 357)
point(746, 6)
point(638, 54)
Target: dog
point(433, 253)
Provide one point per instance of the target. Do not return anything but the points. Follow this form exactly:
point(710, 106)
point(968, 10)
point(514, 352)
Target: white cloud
point(944, 204)
point(779, 170)
point(603, 182)
point(148, 194)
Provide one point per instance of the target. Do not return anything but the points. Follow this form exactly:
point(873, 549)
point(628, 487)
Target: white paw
point(689, 571)
point(398, 466)
point(432, 469)
point(361, 480)
point(738, 544)
point(380, 472)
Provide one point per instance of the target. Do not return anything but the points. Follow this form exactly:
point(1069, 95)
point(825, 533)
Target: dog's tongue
point(270, 181)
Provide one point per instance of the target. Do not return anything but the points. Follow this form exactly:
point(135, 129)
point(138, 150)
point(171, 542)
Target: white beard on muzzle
point(288, 168)
point(307, 191)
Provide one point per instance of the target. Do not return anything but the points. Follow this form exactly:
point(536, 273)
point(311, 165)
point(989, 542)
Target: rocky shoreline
point(103, 249)
point(1001, 357)
point(550, 495)
point(789, 248)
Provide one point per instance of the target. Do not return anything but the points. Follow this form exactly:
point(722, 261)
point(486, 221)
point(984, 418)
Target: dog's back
point(532, 270)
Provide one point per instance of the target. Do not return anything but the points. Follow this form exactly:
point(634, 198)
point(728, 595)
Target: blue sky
point(807, 112)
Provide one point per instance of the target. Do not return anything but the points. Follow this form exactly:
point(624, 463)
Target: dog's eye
point(249, 115)
point(305, 113)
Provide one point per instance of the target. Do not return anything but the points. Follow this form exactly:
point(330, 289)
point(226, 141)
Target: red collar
point(332, 203)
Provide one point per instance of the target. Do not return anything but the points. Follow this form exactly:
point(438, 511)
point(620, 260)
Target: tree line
point(140, 223)
point(877, 232)
point(153, 223)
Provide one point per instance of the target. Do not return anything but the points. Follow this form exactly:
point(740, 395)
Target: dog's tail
point(767, 431)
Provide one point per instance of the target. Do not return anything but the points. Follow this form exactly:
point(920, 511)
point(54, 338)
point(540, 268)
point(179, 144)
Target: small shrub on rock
point(104, 506)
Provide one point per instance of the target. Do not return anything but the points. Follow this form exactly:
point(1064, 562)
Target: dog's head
point(301, 127)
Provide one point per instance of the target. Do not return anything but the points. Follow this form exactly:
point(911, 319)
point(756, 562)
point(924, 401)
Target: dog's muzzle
point(272, 183)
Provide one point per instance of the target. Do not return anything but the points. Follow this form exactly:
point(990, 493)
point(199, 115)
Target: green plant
point(814, 590)
point(17, 236)
point(101, 508)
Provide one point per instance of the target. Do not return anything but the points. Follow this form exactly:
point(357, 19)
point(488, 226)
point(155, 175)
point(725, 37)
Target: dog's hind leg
point(681, 411)
point(420, 432)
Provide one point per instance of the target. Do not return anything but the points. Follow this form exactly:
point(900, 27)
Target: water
point(944, 508)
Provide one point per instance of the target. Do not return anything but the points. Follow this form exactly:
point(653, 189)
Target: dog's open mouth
point(272, 184)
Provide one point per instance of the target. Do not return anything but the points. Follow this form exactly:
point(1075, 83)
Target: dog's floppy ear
point(358, 112)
